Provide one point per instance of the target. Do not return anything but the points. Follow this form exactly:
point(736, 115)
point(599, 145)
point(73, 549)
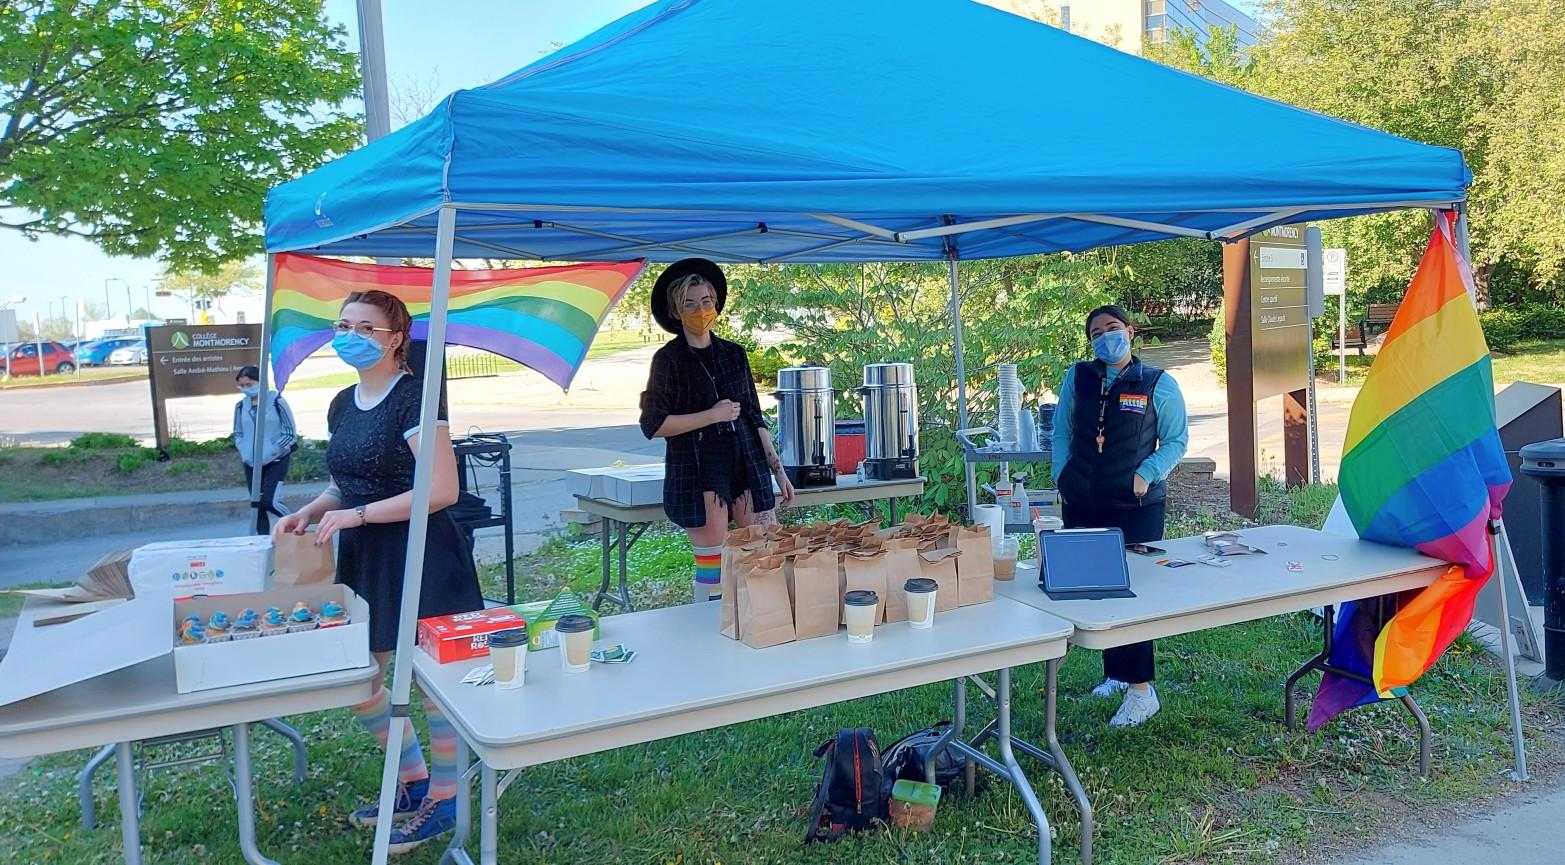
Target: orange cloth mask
point(700, 321)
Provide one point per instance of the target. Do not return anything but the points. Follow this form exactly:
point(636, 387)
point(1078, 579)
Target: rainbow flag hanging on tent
point(1422, 467)
point(541, 317)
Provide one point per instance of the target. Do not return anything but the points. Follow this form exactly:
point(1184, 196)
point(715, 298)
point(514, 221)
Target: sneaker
point(1137, 708)
point(435, 817)
point(409, 794)
point(1110, 688)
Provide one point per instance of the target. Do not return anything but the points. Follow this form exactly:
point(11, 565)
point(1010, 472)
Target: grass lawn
point(109, 465)
point(612, 342)
point(97, 374)
point(1215, 778)
point(1542, 362)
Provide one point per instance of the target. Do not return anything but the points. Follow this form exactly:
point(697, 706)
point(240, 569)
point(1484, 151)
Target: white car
point(129, 355)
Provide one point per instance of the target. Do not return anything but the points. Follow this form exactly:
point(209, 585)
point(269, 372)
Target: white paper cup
point(508, 654)
point(575, 643)
point(921, 601)
point(860, 609)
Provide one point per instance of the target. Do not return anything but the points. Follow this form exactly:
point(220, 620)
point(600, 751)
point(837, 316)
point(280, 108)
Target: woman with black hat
point(701, 399)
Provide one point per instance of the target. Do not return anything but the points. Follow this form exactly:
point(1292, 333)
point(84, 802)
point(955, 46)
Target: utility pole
point(372, 68)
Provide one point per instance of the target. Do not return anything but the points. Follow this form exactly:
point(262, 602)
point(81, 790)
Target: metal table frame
point(623, 525)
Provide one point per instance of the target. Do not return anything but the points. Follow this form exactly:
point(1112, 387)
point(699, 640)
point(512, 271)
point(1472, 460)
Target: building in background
point(1132, 25)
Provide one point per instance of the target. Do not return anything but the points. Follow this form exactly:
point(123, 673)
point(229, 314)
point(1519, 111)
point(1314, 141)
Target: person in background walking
point(282, 439)
point(1119, 431)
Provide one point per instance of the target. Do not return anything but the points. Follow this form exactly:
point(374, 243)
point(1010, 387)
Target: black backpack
point(852, 795)
point(907, 757)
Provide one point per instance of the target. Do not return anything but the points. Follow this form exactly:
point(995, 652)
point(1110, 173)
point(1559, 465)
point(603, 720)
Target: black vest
point(1104, 480)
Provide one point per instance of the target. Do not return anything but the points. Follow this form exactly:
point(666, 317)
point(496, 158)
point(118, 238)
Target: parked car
point(57, 358)
point(97, 353)
point(126, 355)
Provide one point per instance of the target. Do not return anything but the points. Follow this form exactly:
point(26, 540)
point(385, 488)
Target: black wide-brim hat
point(672, 274)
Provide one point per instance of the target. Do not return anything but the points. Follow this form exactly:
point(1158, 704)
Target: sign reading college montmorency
point(1279, 320)
point(200, 360)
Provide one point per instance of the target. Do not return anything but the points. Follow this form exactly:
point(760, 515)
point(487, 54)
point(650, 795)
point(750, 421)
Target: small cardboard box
point(464, 636)
point(641, 485)
point(216, 566)
point(594, 483)
point(540, 617)
point(281, 656)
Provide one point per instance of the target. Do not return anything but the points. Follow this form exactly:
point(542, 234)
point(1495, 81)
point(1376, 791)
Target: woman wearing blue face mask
point(375, 433)
point(1118, 432)
point(277, 451)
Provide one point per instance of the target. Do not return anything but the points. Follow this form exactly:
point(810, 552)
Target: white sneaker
point(1110, 688)
point(1137, 708)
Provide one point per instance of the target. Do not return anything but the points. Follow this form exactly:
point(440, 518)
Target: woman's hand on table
point(334, 521)
point(294, 524)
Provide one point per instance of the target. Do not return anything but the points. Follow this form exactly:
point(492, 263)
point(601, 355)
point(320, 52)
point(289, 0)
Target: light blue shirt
point(1173, 431)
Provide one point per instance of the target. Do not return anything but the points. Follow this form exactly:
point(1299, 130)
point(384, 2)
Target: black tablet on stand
point(1083, 563)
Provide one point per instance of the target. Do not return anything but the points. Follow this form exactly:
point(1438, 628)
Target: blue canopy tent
point(824, 131)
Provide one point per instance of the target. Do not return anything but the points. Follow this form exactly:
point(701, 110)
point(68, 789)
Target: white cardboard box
point(282, 656)
point(641, 485)
point(216, 566)
point(593, 483)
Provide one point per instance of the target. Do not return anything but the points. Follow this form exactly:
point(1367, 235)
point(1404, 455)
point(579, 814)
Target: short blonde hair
point(677, 291)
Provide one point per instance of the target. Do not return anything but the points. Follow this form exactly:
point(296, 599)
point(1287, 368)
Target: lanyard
point(1103, 403)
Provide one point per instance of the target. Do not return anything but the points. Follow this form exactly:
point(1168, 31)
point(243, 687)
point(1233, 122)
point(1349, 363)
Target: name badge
point(1136, 402)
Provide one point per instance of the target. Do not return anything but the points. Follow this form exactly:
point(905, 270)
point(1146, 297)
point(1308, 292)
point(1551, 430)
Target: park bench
point(1356, 338)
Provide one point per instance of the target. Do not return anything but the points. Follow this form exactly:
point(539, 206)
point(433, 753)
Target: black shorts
point(722, 469)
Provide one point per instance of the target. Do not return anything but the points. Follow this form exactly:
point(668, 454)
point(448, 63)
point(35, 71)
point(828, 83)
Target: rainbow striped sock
point(708, 565)
point(444, 771)
point(375, 715)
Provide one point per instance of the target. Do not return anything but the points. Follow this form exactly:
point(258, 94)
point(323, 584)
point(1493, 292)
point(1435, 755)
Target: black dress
point(370, 460)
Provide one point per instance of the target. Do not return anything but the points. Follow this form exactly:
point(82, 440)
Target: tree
point(156, 128)
point(233, 276)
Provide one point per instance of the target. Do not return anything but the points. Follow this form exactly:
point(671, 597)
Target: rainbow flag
point(541, 317)
point(1422, 467)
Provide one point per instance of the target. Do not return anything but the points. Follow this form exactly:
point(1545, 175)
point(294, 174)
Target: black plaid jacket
point(679, 384)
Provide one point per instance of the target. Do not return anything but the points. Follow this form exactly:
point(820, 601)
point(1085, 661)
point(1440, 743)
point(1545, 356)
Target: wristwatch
point(363, 520)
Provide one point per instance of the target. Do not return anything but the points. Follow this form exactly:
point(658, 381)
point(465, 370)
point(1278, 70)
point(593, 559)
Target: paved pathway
point(1526, 831)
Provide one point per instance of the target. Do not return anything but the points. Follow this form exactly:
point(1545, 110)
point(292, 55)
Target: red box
point(464, 636)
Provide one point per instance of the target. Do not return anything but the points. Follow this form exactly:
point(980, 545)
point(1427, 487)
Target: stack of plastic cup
point(1010, 402)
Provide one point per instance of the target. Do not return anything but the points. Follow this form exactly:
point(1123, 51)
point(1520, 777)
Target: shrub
point(130, 461)
point(1218, 342)
point(102, 442)
point(178, 447)
point(1507, 328)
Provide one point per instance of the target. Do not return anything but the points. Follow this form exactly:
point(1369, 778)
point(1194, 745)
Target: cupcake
point(190, 632)
point(273, 623)
point(218, 627)
point(301, 619)
point(247, 626)
point(332, 615)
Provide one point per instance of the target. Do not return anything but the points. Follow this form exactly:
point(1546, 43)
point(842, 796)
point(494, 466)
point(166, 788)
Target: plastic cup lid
point(861, 598)
point(573, 623)
point(920, 585)
point(508, 638)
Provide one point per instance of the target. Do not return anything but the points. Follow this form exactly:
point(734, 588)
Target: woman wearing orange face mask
point(701, 400)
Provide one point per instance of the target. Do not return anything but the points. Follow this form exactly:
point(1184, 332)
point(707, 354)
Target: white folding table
point(556, 715)
point(623, 525)
point(141, 702)
point(1333, 569)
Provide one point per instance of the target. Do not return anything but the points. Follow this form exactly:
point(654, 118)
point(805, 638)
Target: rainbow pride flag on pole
point(1422, 467)
point(541, 317)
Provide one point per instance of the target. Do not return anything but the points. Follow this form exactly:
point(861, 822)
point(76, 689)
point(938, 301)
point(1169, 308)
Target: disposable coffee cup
point(575, 642)
point(861, 608)
point(508, 654)
point(1042, 526)
point(1005, 550)
point(921, 601)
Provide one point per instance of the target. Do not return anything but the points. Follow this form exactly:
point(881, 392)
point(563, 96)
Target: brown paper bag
point(865, 570)
point(816, 595)
point(734, 549)
point(297, 561)
point(940, 565)
point(901, 566)
point(765, 616)
point(975, 566)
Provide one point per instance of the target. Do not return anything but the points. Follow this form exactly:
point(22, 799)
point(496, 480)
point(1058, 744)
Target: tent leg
point(961, 384)
point(1504, 568)
point(259, 448)
point(418, 525)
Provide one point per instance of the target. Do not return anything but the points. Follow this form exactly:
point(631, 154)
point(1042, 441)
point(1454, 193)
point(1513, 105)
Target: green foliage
point(57, 457)
point(102, 441)
point(155, 129)
point(765, 363)
point(129, 461)
point(1217, 340)
point(1171, 280)
point(185, 468)
point(1506, 329)
point(178, 447)
point(308, 463)
point(232, 276)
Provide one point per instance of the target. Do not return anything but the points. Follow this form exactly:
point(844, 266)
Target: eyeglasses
point(363, 328)
point(703, 303)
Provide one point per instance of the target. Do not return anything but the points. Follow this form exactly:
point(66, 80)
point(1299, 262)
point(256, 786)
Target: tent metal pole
point(961, 383)
point(258, 448)
point(418, 524)
point(1505, 575)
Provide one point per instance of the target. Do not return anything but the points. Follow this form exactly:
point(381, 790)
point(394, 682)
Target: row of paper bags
point(786, 583)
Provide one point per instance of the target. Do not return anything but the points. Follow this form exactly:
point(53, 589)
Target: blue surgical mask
point(252, 391)
point(359, 352)
point(1112, 346)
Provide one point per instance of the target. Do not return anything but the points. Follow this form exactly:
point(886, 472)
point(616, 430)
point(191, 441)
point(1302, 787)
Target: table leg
point(84, 785)
point(894, 520)
point(606, 534)
point(1289, 715)
point(1016, 776)
point(456, 851)
point(130, 812)
point(243, 792)
point(624, 551)
point(300, 750)
point(489, 819)
point(1423, 733)
point(1062, 764)
point(953, 733)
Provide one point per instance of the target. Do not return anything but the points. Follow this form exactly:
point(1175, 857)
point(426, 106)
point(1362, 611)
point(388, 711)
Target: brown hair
point(397, 317)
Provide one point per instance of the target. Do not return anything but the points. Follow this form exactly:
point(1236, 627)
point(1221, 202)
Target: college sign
point(197, 360)
point(1279, 320)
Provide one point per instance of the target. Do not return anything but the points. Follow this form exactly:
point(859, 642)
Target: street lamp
point(109, 307)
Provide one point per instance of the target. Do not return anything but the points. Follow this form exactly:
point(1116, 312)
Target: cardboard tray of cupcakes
point(259, 636)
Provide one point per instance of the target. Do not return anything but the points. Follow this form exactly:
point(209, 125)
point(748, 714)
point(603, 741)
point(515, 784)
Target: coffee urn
point(807, 427)
point(890, 421)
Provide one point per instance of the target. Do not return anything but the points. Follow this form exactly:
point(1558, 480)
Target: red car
point(56, 358)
